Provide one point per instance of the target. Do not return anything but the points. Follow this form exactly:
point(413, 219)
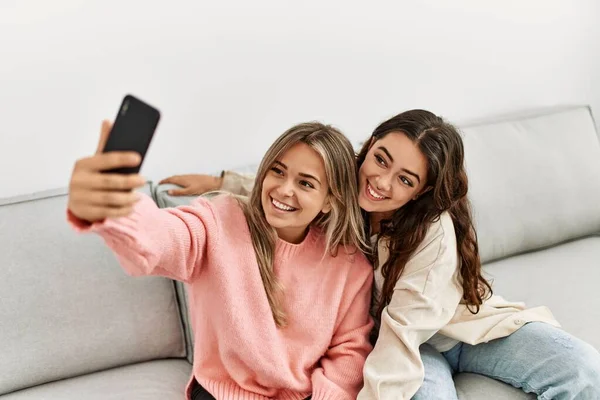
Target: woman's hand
point(193, 184)
point(94, 195)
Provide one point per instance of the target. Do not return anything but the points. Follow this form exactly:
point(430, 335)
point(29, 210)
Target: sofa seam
point(180, 309)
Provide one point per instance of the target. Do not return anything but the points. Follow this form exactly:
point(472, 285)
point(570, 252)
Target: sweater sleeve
point(236, 183)
point(169, 242)
point(339, 374)
point(424, 300)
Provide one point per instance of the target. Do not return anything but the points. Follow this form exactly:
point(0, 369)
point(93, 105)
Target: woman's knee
point(584, 365)
point(438, 376)
point(575, 362)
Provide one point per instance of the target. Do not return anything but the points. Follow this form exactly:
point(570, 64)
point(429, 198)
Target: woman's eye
point(307, 184)
point(277, 171)
point(406, 181)
point(380, 159)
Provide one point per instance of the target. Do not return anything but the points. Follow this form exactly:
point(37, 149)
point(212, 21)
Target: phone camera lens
point(124, 108)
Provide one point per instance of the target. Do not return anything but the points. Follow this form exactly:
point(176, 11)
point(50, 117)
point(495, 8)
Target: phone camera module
point(124, 108)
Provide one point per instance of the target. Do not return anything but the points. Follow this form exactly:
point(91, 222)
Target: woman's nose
point(383, 182)
point(286, 188)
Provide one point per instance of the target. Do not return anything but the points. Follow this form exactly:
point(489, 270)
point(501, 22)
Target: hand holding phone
point(132, 130)
point(102, 186)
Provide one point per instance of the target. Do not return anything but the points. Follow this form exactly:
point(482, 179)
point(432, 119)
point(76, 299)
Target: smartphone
point(132, 130)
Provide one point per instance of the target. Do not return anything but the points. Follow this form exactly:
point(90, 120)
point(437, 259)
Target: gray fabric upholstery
point(67, 306)
point(477, 387)
point(154, 380)
point(565, 278)
point(533, 181)
point(538, 278)
point(185, 318)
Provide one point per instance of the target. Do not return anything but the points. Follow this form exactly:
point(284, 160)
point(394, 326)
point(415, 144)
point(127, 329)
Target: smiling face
point(393, 173)
point(294, 192)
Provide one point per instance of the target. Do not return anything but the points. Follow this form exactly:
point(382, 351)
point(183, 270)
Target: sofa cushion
point(534, 181)
point(564, 278)
point(154, 380)
point(67, 306)
point(478, 387)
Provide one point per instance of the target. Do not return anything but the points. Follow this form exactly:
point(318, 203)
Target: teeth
point(282, 206)
point(372, 193)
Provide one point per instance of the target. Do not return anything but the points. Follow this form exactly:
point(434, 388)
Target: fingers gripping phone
point(132, 130)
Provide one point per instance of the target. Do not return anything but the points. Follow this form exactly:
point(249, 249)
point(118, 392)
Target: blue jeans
point(537, 358)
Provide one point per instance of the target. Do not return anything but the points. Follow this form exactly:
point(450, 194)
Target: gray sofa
point(73, 325)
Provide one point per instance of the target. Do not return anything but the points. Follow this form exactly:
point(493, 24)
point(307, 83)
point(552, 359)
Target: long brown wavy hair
point(443, 147)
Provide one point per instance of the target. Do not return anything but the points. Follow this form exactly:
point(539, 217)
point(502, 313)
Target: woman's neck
point(375, 219)
point(292, 235)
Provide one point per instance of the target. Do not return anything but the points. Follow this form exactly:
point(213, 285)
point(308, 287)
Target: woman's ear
point(327, 206)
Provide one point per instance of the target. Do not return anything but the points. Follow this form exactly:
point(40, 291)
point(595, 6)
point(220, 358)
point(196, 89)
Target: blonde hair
point(342, 226)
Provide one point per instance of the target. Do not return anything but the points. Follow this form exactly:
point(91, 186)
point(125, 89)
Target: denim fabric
point(538, 358)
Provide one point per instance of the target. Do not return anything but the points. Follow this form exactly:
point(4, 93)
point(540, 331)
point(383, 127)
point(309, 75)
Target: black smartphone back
point(132, 130)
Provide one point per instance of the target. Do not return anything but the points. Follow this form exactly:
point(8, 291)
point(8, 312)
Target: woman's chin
point(367, 205)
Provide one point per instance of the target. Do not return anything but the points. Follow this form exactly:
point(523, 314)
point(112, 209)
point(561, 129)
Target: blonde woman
point(279, 288)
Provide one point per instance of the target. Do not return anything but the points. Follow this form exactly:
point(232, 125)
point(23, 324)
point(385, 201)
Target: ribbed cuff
point(228, 390)
point(323, 393)
point(78, 224)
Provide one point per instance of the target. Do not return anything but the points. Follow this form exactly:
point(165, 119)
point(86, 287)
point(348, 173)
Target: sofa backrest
point(67, 308)
point(534, 181)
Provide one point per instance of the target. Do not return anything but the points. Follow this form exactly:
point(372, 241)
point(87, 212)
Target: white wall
point(229, 76)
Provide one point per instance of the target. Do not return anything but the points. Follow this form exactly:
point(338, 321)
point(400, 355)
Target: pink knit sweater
point(239, 351)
